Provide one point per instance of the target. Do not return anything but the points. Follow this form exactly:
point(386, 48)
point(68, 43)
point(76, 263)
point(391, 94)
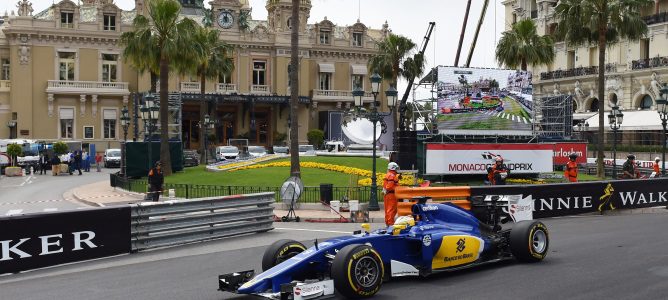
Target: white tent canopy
point(633, 120)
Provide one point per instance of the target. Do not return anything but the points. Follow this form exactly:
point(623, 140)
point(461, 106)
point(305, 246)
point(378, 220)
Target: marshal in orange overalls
point(571, 172)
point(390, 182)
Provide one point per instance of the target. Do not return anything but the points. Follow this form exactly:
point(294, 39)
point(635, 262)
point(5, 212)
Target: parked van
point(226, 152)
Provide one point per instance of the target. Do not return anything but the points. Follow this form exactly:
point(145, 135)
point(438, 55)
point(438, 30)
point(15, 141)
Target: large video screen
point(482, 101)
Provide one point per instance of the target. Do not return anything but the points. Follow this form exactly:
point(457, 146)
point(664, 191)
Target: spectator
point(43, 163)
point(55, 165)
point(390, 182)
point(86, 161)
point(77, 161)
point(630, 168)
point(155, 181)
point(497, 174)
point(98, 161)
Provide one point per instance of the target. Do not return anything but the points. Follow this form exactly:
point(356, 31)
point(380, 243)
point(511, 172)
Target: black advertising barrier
point(46, 239)
point(552, 200)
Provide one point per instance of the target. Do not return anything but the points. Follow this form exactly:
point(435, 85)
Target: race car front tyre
point(357, 271)
point(279, 252)
point(529, 241)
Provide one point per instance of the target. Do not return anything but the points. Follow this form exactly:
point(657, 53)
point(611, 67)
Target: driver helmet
point(405, 220)
point(498, 159)
point(392, 166)
point(573, 156)
point(631, 157)
point(657, 159)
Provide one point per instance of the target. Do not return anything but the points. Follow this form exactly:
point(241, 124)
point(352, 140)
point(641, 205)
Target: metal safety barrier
point(168, 223)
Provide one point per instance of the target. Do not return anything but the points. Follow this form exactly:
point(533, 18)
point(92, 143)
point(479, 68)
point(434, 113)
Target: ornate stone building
point(63, 76)
point(634, 70)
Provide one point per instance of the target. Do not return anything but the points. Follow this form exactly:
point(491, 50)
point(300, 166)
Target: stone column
point(125, 99)
point(49, 97)
point(82, 105)
point(93, 99)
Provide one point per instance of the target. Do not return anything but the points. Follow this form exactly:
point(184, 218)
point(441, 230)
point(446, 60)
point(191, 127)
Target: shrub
point(60, 148)
point(315, 137)
point(279, 138)
point(14, 150)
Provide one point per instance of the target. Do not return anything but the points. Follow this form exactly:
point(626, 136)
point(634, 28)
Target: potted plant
point(60, 148)
point(315, 137)
point(14, 151)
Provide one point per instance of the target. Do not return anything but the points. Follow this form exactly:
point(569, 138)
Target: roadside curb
point(84, 201)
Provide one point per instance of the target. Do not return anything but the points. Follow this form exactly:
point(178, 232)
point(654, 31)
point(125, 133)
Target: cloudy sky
point(408, 20)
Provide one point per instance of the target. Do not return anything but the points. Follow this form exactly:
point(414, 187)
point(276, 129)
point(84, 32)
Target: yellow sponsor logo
point(457, 250)
point(361, 253)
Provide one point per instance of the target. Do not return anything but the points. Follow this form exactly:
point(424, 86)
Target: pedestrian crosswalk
point(507, 116)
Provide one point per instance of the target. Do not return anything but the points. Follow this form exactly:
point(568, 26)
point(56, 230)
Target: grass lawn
point(274, 176)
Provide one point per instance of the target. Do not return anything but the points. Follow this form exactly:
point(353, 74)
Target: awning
point(633, 120)
point(358, 69)
point(66, 113)
point(583, 116)
point(326, 68)
point(109, 114)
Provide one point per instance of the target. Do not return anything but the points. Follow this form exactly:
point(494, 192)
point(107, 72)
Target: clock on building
point(225, 19)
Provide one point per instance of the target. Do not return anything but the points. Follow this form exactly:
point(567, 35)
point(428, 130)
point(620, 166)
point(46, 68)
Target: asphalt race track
point(591, 257)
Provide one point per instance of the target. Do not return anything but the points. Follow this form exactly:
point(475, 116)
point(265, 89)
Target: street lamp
point(583, 129)
point(125, 123)
point(663, 115)
point(149, 113)
point(11, 124)
point(615, 119)
point(375, 117)
point(208, 124)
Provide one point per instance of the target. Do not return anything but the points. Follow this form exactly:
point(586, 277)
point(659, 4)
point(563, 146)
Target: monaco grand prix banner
point(40, 240)
point(552, 200)
point(449, 159)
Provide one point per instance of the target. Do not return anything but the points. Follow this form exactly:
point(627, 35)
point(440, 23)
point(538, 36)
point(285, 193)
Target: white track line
point(50, 209)
point(13, 212)
point(311, 230)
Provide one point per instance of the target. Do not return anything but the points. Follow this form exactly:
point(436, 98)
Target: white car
point(226, 152)
point(112, 158)
point(256, 151)
point(306, 150)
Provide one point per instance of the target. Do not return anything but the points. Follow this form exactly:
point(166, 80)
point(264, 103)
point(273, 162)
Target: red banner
point(563, 150)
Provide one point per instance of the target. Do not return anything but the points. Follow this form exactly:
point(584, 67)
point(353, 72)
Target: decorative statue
point(556, 89)
point(25, 8)
point(579, 94)
point(244, 16)
point(655, 86)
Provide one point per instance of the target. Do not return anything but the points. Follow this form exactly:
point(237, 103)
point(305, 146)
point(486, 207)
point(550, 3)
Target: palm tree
point(602, 22)
point(392, 51)
point(139, 53)
point(295, 170)
point(216, 60)
point(522, 46)
point(166, 40)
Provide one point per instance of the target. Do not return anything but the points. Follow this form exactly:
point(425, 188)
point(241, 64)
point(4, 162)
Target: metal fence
point(185, 221)
point(311, 194)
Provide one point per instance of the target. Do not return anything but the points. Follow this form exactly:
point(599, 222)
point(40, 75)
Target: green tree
point(14, 151)
point(162, 40)
point(60, 148)
point(315, 137)
point(216, 60)
point(600, 22)
point(389, 61)
point(522, 46)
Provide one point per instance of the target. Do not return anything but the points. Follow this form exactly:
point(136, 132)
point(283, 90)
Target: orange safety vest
point(492, 174)
point(390, 181)
point(656, 168)
point(571, 172)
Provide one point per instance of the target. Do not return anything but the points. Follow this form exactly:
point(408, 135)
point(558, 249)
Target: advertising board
point(450, 159)
point(563, 150)
point(482, 101)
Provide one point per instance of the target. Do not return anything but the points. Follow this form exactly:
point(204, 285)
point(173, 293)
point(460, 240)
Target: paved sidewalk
point(101, 194)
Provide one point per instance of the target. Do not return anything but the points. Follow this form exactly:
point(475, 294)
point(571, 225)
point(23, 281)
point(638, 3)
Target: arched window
point(575, 106)
point(613, 99)
point(646, 102)
point(594, 105)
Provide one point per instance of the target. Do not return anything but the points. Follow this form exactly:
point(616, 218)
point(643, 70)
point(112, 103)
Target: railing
point(656, 19)
point(260, 89)
point(311, 194)
point(5, 85)
point(338, 95)
point(224, 88)
point(646, 63)
point(87, 84)
point(185, 221)
point(193, 87)
point(581, 71)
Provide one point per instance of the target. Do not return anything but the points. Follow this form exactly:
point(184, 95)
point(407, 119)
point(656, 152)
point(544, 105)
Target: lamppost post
point(374, 116)
point(662, 108)
point(149, 111)
point(615, 119)
point(125, 123)
point(205, 127)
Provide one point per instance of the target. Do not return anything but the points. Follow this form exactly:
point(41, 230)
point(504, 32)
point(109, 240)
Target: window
point(259, 72)
point(593, 56)
point(357, 39)
point(570, 60)
point(5, 69)
point(88, 132)
point(290, 23)
point(644, 49)
point(109, 67)
point(358, 81)
point(225, 78)
point(67, 19)
point(66, 65)
point(325, 81)
point(646, 102)
point(110, 22)
point(109, 123)
point(324, 37)
point(66, 116)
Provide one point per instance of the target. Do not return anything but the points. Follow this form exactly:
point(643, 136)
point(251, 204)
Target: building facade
point(63, 76)
point(634, 71)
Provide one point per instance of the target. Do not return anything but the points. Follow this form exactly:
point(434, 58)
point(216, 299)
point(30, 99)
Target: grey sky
point(408, 18)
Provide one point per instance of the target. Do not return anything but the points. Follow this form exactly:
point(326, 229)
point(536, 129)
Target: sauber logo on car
point(461, 245)
point(457, 250)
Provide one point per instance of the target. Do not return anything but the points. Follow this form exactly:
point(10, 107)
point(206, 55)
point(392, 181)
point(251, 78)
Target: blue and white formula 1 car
point(436, 238)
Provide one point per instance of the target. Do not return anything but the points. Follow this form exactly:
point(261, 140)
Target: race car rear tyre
point(357, 271)
point(529, 241)
point(279, 252)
